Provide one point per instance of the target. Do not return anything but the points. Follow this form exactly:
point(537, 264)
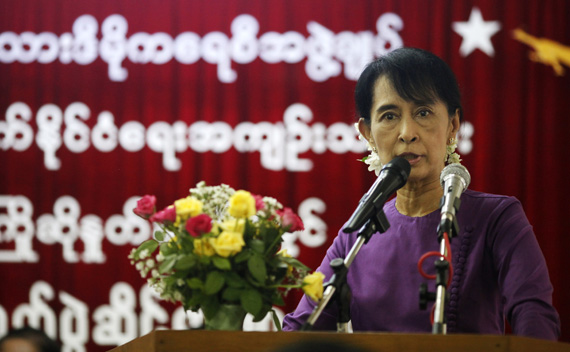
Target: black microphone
point(393, 176)
point(454, 179)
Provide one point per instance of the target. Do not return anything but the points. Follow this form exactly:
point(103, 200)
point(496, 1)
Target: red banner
point(105, 101)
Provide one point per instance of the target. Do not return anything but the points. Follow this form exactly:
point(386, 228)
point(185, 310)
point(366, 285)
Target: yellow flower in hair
point(242, 205)
point(313, 285)
point(187, 207)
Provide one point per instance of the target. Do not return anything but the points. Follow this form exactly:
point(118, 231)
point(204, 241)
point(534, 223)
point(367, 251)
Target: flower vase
point(229, 317)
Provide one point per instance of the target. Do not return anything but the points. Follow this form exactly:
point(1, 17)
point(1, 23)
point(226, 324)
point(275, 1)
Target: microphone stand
point(337, 287)
point(449, 225)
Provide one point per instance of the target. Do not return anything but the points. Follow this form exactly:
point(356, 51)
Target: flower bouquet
point(220, 247)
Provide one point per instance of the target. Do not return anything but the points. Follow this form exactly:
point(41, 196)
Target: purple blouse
point(499, 271)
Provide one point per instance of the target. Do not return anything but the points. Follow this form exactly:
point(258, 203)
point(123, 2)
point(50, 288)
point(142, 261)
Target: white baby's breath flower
point(372, 160)
point(155, 274)
point(143, 254)
point(180, 282)
point(150, 263)
point(452, 156)
point(159, 257)
point(178, 296)
point(139, 266)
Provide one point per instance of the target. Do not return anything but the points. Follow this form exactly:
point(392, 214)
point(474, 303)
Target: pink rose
point(146, 206)
point(199, 225)
point(259, 205)
point(289, 218)
point(166, 215)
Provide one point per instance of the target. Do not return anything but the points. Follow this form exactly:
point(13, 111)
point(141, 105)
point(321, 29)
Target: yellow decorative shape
point(546, 51)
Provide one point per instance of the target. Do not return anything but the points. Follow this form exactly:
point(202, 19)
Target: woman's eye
point(424, 113)
point(388, 117)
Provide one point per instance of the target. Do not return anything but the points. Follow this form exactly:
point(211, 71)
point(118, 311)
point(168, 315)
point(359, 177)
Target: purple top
point(499, 271)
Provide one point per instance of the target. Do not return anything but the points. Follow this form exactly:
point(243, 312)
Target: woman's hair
point(36, 337)
point(416, 74)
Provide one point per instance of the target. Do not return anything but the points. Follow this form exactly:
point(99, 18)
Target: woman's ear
point(364, 129)
point(455, 124)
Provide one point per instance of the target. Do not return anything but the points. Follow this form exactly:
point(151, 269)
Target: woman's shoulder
point(476, 197)
point(488, 205)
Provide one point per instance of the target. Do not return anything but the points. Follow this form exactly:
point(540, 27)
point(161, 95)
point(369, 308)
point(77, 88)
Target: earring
point(451, 157)
point(372, 160)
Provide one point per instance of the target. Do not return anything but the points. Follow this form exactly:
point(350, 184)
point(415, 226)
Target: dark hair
point(416, 74)
point(36, 337)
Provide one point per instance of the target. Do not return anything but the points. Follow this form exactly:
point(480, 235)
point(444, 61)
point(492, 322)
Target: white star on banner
point(476, 33)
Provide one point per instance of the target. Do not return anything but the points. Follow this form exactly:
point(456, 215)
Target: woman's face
point(418, 132)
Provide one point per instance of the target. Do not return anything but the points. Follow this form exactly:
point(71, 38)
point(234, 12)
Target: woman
point(409, 104)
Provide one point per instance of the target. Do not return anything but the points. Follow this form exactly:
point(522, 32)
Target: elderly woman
point(409, 106)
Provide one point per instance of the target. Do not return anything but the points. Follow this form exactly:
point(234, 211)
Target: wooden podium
point(234, 341)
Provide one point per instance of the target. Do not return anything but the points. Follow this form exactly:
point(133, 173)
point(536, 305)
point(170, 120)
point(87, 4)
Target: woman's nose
point(408, 130)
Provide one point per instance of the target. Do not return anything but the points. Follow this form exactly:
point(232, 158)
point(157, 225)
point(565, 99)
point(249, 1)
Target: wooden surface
point(230, 341)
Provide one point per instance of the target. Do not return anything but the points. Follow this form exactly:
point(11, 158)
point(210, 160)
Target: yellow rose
point(313, 285)
point(203, 247)
point(233, 225)
point(228, 243)
point(187, 207)
point(242, 205)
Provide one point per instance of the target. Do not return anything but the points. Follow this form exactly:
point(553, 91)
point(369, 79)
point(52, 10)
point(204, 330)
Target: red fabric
point(517, 108)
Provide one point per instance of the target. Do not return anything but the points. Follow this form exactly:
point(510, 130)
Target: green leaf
point(186, 262)
point(234, 280)
point(194, 300)
point(222, 263)
point(276, 320)
point(214, 282)
point(278, 300)
point(294, 263)
point(232, 294)
point(257, 246)
point(251, 301)
point(167, 264)
point(262, 313)
point(195, 283)
point(256, 266)
point(159, 236)
point(210, 306)
point(167, 248)
point(150, 245)
point(242, 256)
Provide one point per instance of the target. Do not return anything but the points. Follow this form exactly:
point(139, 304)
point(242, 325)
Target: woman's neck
point(417, 200)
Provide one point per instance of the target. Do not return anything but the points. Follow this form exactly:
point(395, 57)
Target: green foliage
point(190, 268)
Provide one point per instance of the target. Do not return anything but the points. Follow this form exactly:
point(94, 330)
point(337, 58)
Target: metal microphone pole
point(448, 225)
point(337, 287)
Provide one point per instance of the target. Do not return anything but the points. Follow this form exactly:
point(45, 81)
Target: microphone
point(393, 176)
point(454, 180)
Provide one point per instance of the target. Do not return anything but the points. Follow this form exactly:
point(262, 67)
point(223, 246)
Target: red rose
point(199, 225)
point(166, 215)
point(289, 218)
point(146, 206)
point(259, 205)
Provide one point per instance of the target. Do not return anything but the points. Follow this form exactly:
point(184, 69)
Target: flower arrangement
point(221, 246)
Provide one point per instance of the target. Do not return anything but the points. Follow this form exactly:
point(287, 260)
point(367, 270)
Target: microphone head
point(455, 170)
point(399, 165)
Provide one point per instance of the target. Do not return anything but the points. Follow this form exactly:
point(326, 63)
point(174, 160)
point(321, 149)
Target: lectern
point(239, 341)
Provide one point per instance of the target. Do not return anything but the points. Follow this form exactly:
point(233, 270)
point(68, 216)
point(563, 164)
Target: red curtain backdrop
point(103, 101)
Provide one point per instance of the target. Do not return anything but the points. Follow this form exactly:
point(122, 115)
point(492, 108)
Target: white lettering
point(324, 50)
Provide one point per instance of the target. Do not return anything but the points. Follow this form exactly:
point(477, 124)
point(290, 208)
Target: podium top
point(234, 341)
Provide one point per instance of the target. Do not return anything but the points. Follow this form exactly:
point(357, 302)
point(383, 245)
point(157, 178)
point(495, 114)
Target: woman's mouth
point(411, 158)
